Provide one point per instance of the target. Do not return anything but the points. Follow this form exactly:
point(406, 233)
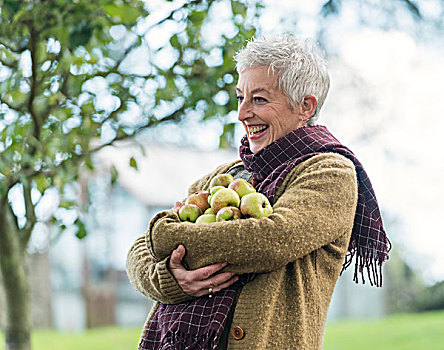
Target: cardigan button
point(238, 333)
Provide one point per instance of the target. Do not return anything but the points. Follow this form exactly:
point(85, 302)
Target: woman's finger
point(218, 279)
point(176, 207)
point(215, 287)
point(225, 284)
point(206, 272)
point(177, 257)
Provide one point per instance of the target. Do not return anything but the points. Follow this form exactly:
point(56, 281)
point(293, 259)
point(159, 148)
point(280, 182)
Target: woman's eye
point(259, 99)
point(239, 98)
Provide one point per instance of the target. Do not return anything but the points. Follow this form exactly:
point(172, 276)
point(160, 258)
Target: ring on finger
point(210, 292)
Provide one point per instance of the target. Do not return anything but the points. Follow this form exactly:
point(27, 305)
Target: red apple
point(242, 187)
point(213, 190)
point(255, 205)
point(200, 199)
point(225, 197)
point(228, 213)
point(221, 180)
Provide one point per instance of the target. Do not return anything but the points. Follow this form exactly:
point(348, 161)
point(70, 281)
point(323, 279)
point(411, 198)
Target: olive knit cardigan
point(297, 253)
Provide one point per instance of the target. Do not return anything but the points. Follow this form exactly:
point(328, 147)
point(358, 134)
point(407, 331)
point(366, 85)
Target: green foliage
point(133, 163)
point(81, 229)
point(67, 83)
point(406, 290)
point(49, 119)
point(432, 298)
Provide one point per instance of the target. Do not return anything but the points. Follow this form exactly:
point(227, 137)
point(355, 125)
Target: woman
point(266, 283)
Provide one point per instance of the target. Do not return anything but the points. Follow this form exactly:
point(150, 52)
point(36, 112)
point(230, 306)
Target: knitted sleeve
point(315, 205)
point(152, 279)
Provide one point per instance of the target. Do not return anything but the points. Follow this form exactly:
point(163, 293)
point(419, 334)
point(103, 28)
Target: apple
point(213, 190)
point(208, 211)
point(206, 218)
point(189, 212)
point(255, 205)
point(225, 197)
point(200, 199)
point(242, 187)
point(228, 213)
point(221, 180)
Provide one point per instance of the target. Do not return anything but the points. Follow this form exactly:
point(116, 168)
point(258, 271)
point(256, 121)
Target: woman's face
point(264, 109)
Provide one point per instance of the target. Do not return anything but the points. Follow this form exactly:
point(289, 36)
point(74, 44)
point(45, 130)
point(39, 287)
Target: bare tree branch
point(19, 108)
point(31, 218)
point(33, 85)
point(413, 8)
point(151, 123)
point(9, 65)
point(15, 50)
point(14, 220)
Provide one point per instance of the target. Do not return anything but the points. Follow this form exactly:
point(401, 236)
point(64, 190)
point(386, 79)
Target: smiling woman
point(265, 283)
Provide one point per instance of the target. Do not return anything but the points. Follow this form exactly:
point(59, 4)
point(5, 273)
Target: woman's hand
point(176, 207)
point(198, 282)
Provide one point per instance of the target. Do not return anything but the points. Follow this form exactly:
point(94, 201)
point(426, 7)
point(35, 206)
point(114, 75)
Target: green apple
point(206, 218)
point(213, 190)
point(255, 205)
point(225, 197)
point(228, 213)
point(189, 212)
point(242, 187)
point(221, 180)
point(200, 199)
point(209, 211)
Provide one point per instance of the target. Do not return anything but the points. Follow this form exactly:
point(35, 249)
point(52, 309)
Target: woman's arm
point(152, 279)
point(316, 207)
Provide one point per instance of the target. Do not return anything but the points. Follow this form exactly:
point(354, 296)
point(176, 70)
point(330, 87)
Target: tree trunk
point(15, 283)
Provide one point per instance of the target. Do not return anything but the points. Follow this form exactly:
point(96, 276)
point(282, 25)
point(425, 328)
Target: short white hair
point(299, 64)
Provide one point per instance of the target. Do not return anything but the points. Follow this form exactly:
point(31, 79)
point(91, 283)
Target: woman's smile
point(256, 131)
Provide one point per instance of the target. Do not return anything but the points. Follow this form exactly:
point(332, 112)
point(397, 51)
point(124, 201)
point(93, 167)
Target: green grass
point(399, 332)
point(112, 338)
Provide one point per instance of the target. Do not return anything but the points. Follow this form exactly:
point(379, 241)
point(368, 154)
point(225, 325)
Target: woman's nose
point(244, 111)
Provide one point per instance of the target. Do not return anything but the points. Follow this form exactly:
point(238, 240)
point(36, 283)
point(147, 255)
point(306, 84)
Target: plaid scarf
point(369, 243)
point(193, 325)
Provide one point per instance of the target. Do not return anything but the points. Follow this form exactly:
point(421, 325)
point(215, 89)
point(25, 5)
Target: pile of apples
point(227, 199)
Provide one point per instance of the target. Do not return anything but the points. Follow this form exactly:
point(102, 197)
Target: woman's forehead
point(257, 79)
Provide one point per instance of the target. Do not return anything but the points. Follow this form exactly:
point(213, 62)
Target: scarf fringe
point(366, 258)
point(184, 341)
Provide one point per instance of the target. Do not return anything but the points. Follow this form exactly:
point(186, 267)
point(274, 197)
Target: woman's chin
point(256, 146)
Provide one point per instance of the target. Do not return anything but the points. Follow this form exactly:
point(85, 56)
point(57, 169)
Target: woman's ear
point(308, 107)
